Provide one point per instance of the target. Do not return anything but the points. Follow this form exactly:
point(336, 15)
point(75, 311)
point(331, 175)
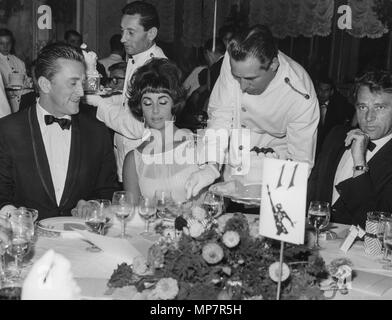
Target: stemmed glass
point(22, 227)
point(147, 210)
point(379, 218)
point(388, 240)
point(213, 204)
point(5, 241)
point(123, 206)
point(95, 218)
point(99, 216)
point(163, 198)
point(318, 216)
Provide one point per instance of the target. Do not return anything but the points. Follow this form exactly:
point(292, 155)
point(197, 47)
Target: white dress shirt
point(57, 144)
point(346, 164)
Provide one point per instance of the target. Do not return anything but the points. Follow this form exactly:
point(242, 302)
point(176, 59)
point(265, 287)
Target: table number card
point(283, 201)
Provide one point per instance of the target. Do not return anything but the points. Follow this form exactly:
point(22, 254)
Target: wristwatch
point(364, 168)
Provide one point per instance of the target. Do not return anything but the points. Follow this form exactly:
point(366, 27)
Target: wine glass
point(22, 227)
point(162, 198)
point(95, 219)
point(147, 210)
point(123, 206)
point(104, 208)
point(378, 217)
point(388, 240)
point(5, 241)
point(318, 216)
point(213, 204)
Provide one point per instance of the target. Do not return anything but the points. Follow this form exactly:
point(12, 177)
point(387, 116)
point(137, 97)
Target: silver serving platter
point(240, 194)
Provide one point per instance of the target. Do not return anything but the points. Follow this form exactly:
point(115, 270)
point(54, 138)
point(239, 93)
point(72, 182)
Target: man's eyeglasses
point(115, 80)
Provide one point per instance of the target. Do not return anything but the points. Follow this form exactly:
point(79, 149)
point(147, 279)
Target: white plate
point(62, 224)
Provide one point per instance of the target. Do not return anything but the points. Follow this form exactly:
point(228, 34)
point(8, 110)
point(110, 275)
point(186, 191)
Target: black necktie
point(63, 123)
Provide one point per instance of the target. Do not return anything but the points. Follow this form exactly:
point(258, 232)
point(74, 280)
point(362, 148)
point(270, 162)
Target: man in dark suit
point(354, 170)
point(52, 157)
point(334, 109)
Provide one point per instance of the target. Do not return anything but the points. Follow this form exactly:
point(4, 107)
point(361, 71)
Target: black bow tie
point(371, 145)
point(63, 123)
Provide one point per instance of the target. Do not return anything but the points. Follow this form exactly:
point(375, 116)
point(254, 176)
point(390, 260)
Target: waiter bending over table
point(263, 96)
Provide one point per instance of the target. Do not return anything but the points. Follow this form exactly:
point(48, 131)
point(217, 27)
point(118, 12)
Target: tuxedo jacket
point(25, 178)
point(371, 191)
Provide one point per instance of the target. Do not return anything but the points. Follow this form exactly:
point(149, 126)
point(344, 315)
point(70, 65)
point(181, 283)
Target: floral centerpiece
point(222, 260)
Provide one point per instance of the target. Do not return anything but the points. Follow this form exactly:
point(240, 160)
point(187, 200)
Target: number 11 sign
point(283, 201)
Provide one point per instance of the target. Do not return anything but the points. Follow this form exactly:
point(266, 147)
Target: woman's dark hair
point(46, 63)
point(156, 76)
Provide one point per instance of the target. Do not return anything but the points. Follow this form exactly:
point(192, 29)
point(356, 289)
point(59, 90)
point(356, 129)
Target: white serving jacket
point(119, 117)
point(279, 118)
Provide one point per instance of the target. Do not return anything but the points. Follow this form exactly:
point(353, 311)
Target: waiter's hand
point(93, 100)
point(359, 141)
point(200, 179)
point(50, 278)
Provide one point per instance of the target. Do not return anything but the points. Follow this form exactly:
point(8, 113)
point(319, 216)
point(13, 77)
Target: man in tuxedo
point(334, 109)
point(52, 155)
point(354, 169)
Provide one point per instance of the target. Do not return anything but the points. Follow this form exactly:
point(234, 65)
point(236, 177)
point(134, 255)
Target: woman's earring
point(174, 118)
point(144, 122)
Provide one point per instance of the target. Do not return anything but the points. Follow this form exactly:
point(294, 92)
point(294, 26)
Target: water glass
point(103, 206)
point(379, 218)
point(163, 198)
point(95, 219)
point(388, 240)
point(22, 228)
point(318, 216)
point(123, 206)
point(5, 242)
point(147, 210)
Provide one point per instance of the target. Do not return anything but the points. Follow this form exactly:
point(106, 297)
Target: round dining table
point(92, 269)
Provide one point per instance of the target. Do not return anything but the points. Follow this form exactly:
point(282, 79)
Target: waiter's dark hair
point(148, 13)
point(377, 81)
point(47, 64)
point(158, 75)
point(256, 42)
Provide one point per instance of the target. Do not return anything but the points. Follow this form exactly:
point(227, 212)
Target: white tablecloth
point(93, 269)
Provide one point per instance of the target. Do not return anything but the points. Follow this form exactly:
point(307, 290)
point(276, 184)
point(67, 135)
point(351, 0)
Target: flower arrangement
point(225, 262)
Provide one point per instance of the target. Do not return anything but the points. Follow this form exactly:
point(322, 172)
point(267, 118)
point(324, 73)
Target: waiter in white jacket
point(139, 25)
point(266, 97)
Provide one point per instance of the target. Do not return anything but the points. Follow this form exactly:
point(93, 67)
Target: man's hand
point(359, 141)
point(200, 179)
point(93, 100)
point(50, 278)
point(82, 209)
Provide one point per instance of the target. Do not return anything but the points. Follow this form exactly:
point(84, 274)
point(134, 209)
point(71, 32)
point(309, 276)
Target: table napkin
point(372, 283)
